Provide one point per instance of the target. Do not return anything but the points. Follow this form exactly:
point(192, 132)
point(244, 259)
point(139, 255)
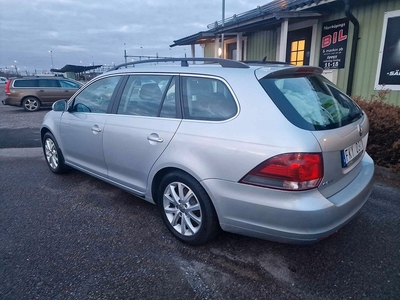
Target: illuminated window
point(297, 52)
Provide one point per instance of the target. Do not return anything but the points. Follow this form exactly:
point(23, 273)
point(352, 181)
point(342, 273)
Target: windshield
point(312, 102)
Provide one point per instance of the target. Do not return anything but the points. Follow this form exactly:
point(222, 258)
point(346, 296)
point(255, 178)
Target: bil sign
point(333, 44)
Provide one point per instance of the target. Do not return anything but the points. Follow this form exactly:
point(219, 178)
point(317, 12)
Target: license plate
point(350, 153)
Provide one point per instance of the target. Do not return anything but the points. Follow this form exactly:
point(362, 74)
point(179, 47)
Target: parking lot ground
point(75, 237)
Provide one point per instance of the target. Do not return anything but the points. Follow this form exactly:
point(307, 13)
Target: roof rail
point(264, 61)
point(225, 63)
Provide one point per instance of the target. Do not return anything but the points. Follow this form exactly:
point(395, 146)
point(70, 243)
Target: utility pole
point(125, 54)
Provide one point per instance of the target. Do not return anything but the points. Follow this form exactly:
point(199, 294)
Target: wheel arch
point(43, 131)
point(157, 179)
point(164, 171)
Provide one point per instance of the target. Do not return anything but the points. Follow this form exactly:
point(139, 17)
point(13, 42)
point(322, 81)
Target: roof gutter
point(353, 20)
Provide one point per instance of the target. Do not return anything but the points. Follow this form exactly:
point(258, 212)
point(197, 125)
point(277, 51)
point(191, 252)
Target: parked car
point(270, 151)
point(33, 92)
point(3, 80)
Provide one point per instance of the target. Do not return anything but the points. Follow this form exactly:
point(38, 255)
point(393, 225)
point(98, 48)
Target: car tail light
point(7, 87)
point(290, 171)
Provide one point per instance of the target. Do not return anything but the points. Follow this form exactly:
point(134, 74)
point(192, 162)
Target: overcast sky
point(82, 32)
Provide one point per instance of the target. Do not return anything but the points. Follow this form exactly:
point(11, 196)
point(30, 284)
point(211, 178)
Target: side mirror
point(60, 105)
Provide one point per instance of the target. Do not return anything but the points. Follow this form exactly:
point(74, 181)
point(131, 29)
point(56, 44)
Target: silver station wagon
point(267, 150)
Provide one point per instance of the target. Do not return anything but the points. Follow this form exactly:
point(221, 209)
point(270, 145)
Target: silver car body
point(133, 151)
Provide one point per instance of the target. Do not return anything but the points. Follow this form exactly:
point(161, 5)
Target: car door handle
point(41, 91)
point(66, 91)
point(96, 128)
point(155, 138)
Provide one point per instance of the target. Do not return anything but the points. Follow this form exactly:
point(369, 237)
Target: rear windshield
point(311, 103)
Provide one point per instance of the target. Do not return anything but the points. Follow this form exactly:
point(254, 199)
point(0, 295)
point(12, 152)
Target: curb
point(21, 152)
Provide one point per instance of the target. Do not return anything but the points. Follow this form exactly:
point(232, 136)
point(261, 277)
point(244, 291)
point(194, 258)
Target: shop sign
point(388, 71)
point(333, 44)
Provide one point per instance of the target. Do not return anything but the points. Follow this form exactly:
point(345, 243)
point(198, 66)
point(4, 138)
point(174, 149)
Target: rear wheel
point(31, 104)
point(53, 154)
point(186, 209)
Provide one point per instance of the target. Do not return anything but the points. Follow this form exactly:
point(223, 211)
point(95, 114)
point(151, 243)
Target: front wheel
point(31, 104)
point(53, 154)
point(186, 209)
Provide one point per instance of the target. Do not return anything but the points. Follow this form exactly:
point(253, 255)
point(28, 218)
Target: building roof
point(267, 16)
point(75, 69)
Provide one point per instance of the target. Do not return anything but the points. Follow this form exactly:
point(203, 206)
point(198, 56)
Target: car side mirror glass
point(60, 105)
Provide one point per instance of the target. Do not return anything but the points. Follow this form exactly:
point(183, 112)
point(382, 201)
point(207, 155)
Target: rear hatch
point(313, 103)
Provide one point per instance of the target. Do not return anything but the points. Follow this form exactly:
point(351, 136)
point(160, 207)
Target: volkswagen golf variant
point(272, 150)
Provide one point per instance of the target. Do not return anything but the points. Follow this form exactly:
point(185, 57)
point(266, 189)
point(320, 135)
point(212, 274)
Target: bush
point(384, 131)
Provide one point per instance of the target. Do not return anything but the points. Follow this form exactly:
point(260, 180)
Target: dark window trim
point(116, 99)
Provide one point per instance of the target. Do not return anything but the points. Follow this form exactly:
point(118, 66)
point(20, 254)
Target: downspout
point(353, 20)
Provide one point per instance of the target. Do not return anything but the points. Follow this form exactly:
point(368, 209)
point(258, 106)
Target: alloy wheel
point(31, 104)
point(51, 153)
point(182, 208)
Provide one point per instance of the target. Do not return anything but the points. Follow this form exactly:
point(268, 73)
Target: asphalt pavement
point(75, 237)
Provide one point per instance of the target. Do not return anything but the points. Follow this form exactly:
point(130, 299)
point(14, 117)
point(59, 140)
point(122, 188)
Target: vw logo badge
point(359, 128)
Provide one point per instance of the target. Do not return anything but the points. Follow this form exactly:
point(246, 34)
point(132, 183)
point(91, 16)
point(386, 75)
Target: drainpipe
point(223, 25)
point(353, 20)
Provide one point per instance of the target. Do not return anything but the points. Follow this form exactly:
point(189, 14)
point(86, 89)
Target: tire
point(53, 155)
point(31, 104)
point(191, 219)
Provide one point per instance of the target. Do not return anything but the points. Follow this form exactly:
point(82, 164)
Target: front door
point(82, 127)
point(298, 46)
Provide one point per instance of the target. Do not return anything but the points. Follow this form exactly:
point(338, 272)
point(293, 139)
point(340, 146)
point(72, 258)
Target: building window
point(297, 52)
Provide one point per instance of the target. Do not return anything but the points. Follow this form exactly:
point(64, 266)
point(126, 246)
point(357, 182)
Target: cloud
point(100, 31)
point(71, 48)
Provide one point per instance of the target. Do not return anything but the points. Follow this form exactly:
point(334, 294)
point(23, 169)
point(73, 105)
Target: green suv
point(33, 92)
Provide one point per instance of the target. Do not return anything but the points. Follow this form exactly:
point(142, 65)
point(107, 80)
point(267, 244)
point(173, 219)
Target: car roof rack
point(225, 63)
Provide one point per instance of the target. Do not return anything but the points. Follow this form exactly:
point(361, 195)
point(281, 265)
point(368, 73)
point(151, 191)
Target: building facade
point(356, 42)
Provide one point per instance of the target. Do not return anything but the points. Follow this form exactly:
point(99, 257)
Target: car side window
point(48, 83)
point(144, 96)
point(69, 84)
point(207, 99)
point(96, 97)
point(25, 83)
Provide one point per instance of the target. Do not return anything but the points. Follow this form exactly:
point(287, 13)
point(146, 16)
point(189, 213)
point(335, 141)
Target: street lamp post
point(16, 69)
point(51, 56)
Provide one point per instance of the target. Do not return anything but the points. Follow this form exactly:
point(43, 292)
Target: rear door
point(343, 148)
point(145, 121)
point(313, 103)
point(48, 90)
point(68, 88)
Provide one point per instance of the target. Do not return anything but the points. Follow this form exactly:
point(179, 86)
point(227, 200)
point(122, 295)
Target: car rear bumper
point(11, 101)
point(289, 217)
